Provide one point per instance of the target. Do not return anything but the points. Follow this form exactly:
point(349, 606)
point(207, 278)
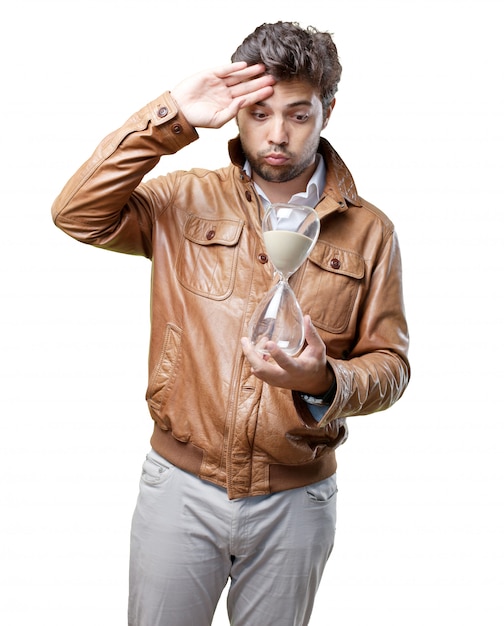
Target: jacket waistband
point(189, 457)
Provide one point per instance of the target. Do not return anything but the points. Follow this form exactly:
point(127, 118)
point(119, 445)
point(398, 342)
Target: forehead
point(288, 93)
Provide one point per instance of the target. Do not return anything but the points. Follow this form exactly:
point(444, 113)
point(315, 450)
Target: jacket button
point(248, 195)
point(263, 258)
point(210, 234)
point(177, 129)
point(162, 111)
point(335, 264)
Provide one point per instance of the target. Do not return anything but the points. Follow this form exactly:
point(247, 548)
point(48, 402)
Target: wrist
point(324, 399)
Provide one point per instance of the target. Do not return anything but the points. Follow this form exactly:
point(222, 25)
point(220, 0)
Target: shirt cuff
point(317, 411)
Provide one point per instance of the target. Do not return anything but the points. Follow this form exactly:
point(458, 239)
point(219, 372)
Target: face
point(280, 135)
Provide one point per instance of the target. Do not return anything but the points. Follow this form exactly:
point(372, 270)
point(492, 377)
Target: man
point(240, 482)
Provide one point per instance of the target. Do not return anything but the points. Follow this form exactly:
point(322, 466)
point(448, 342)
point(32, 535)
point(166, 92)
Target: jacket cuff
point(165, 114)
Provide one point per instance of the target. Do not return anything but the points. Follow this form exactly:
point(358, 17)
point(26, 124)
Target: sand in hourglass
point(287, 250)
point(289, 233)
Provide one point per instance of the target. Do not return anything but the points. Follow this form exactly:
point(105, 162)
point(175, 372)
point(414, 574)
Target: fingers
point(211, 98)
point(281, 358)
point(307, 370)
point(247, 80)
point(239, 71)
point(254, 357)
point(313, 339)
point(255, 87)
point(247, 100)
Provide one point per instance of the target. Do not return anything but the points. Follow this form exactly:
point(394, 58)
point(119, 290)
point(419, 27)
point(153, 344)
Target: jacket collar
point(340, 185)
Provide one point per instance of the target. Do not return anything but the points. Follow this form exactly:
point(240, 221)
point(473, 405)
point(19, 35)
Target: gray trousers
point(188, 539)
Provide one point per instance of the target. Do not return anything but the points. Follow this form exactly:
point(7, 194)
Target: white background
point(419, 122)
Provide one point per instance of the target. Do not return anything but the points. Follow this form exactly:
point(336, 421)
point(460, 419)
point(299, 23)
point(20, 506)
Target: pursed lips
point(276, 159)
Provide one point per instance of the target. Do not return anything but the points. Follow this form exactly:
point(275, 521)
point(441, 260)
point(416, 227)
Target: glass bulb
point(290, 231)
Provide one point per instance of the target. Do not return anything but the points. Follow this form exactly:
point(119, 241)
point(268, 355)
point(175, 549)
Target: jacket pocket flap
point(337, 260)
point(207, 232)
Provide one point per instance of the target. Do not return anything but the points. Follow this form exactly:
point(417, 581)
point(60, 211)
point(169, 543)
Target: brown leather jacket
point(201, 229)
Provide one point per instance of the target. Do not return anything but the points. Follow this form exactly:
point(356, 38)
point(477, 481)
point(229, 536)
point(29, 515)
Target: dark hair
point(291, 52)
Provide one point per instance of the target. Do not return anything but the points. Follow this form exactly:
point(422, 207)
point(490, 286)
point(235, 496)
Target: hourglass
point(290, 232)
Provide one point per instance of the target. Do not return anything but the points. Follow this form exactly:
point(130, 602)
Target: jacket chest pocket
point(208, 256)
point(333, 280)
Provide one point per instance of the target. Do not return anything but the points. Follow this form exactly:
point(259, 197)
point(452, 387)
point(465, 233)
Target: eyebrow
point(291, 105)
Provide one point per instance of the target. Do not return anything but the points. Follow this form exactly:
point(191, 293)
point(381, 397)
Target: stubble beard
point(279, 173)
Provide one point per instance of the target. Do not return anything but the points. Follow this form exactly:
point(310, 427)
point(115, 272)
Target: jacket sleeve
point(377, 371)
point(104, 203)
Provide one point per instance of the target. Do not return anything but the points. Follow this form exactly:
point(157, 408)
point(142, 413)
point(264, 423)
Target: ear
point(329, 111)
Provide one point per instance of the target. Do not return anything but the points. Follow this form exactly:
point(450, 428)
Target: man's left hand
point(306, 372)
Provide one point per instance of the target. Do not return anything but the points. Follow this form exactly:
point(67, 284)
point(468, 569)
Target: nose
point(277, 131)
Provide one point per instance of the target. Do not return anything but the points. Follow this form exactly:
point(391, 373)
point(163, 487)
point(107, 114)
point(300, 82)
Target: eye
point(258, 114)
point(300, 117)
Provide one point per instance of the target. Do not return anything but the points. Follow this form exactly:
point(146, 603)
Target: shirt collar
point(314, 188)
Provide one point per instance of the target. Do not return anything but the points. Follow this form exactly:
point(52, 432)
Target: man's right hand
point(211, 98)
